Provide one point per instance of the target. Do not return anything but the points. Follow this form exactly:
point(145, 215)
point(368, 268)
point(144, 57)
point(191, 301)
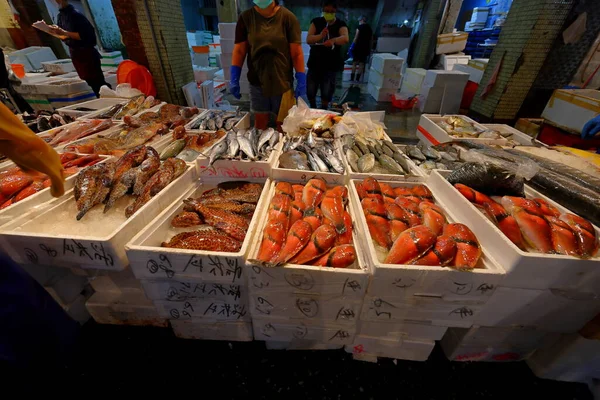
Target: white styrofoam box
point(301, 345)
point(75, 309)
point(441, 78)
point(34, 55)
point(150, 261)
point(67, 86)
point(403, 281)
point(402, 349)
point(178, 290)
point(124, 308)
point(471, 26)
point(204, 73)
point(59, 66)
point(201, 59)
point(112, 281)
point(480, 14)
point(527, 270)
point(69, 286)
point(549, 310)
point(227, 45)
point(384, 81)
point(205, 308)
point(442, 100)
point(66, 247)
point(480, 343)
point(97, 105)
point(300, 176)
point(513, 134)
point(289, 330)
point(401, 330)
point(449, 60)
point(71, 99)
point(387, 64)
point(44, 275)
point(240, 168)
point(381, 94)
point(479, 63)
point(448, 43)
point(227, 30)
point(213, 330)
point(303, 280)
point(392, 44)
point(38, 102)
point(459, 313)
point(414, 77)
point(571, 109)
point(573, 358)
point(429, 131)
point(475, 74)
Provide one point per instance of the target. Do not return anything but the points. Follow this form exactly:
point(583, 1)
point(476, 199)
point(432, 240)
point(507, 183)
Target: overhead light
point(405, 21)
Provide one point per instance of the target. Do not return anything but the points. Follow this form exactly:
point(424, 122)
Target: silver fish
point(294, 160)
point(347, 140)
point(389, 163)
point(274, 140)
point(429, 152)
point(203, 124)
point(414, 152)
point(313, 163)
point(231, 122)
point(428, 166)
point(219, 121)
point(188, 155)
point(253, 138)
point(322, 166)
point(246, 147)
point(403, 162)
point(217, 151)
point(335, 163)
point(366, 163)
point(310, 140)
point(352, 159)
point(232, 145)
point(264, 138)
point(446, 156)
point(211, 124)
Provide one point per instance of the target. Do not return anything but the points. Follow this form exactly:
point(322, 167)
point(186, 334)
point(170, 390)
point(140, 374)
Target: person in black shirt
point(78, 33)
point(360, 48)
point(326, 35)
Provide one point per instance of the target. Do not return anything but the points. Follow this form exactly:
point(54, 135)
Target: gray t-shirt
point(269, 58)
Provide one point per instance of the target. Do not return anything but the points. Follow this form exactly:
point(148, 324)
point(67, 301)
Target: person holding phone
point(326, 35)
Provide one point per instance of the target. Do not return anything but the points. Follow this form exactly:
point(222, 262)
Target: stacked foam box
point(407, 308)
point(111, 59)
point(32, 57)
point(448, 61)
point(227, 34)
point(413, 80)
point(474, 68)
point(442, 91)
point(385, 76)
point(548, 293)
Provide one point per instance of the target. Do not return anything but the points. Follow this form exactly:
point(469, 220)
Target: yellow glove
point(28, 151)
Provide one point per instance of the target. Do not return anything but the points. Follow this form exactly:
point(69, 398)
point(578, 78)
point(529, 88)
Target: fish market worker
point(271, 38)
point(78, 33)
point(326, 35)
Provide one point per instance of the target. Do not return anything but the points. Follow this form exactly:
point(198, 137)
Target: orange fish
point(413, 213)
point(472, 195)
point(280, 210)
point(379, 228)
point(442, 254)
point(346, 237)
point(468, 250)
point(388, 192)
point(297, 191)
point(362, 193)
point(321, 241)
point(506, 222)
point(297, 211)
point(422, 192)
point(339, 257)
point(312, 194)
point(284, 188)
point(314, 221)
point(372, 188)
point(398, 220)
point(563, 237)
point(341, 191)
point(585, 234)
point(272, 241)
point(333, 209)
point(298, 237)
point(433, 217)
point(373, 206)
point(546, 208)
point(411, 245)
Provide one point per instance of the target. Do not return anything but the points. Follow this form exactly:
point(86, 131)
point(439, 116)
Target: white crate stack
point(442, 91)
point(539, 291)
point(413, 80)
point(407, 308)
point(227, 33)
point(385, 76)
point(306, 307)
point(448, 61)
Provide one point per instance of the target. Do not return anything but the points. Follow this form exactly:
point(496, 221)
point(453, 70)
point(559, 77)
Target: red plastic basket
point(404, 103)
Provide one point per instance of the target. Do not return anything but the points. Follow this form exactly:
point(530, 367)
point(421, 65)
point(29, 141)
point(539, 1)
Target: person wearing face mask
point(360, 49)
point(326, 35)
point(271, 38)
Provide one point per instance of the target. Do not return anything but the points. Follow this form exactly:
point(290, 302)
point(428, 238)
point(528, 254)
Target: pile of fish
point(45, 120)
point(374, 156)
point(412, 230)
point(16, 185)
point(131, 107)
point(461, 128)
point(214, 120)
point(139, 172)
point(119, 141)
point(170, 115)
point(251, 145)
point(573, 189)
point(305, 154)
point(428, 158)
point(75, 131)
point(531, 224)
point(220, 217)
point(307, 225)
point(188, 145)
point(320, 127)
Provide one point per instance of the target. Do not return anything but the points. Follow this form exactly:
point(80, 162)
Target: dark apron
point(87, 63)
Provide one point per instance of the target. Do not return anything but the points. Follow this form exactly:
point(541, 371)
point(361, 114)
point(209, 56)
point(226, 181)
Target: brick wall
point(525, 41)
point(125, 11)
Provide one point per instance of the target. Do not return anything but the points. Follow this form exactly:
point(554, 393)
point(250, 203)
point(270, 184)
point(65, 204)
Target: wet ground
point(112, 360)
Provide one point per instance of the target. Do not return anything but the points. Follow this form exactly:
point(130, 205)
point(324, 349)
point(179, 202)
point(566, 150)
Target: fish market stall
point(436, 129)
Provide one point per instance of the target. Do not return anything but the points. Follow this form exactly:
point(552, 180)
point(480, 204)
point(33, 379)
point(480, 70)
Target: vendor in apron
point(78, 33)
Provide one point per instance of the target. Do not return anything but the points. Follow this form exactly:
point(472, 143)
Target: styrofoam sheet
point(198, 309)
point(526, 270)
point(150, 261)
point(403, 349)
point(398, 281)
point(401, 330)
point(66, 247)
point(240, 169)
point(179, 290)
point(213, 330)
point(287, 330)
point(348, 282)
point(429, 131)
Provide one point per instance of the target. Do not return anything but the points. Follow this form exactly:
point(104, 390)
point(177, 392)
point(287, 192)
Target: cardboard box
point(384, 81)
point(387, 64)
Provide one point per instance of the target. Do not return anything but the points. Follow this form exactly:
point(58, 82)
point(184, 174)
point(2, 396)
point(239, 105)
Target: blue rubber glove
point(300, 84)
point(591, 128)
point(234, 82)
point(350, 50)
